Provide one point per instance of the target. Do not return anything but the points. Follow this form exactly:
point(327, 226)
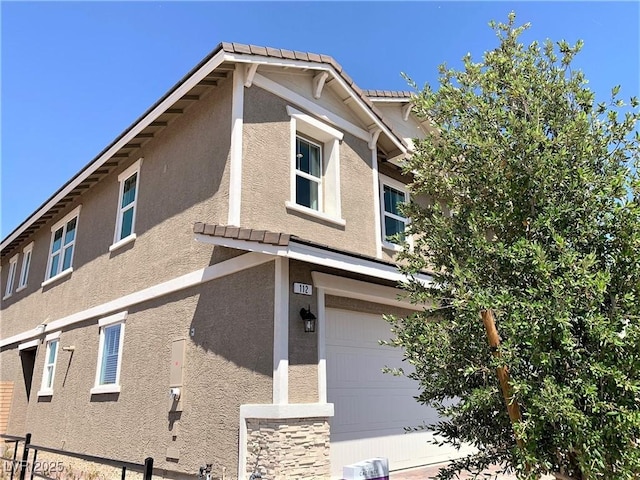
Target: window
point(26, 263)
point(315, 167)
point(393, 194)
point(308, 173)
point(127, 200)
point(13, 264)
point(110, 354)
point(63, 240)
point(51, 355)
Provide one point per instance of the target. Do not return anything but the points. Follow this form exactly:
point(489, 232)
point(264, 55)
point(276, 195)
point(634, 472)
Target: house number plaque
point(302, 288)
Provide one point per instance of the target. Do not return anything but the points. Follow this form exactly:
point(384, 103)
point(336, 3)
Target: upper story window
point(63, 241)
point(51, 355)
point(110, 354)
point(127, 201)
point(13, 264)
point(393, 194)
point(26, 263)
point(308, 173)
point(315, 168)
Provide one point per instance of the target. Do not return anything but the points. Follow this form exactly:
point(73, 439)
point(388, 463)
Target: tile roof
point(238, 233)
point(387, 93)
point(273, 238)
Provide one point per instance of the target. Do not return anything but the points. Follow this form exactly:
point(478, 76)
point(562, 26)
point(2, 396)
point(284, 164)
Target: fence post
point(15, 455)
point(25, 456)
point(148, 468)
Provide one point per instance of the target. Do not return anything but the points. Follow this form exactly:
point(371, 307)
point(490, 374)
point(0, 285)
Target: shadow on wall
point(234, 318)
point(184, 166)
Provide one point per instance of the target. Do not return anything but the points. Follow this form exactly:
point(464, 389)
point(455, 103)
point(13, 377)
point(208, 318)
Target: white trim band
point(203, 275)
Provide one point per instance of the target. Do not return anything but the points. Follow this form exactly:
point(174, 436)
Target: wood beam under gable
point(249, 72)
point(406, 111)
point(375, 134)
point(318, 83)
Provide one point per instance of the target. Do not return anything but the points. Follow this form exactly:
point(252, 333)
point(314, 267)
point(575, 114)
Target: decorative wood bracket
point(406, 110)
point(249, 73)
point(318, 83)
point(375, 133)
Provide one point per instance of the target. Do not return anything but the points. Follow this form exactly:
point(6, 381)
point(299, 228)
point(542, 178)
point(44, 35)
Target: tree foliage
point(534, 214)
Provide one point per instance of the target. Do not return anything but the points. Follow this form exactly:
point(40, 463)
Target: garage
point(372, 408)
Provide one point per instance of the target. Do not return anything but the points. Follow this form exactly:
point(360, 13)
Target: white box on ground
point(371, 469)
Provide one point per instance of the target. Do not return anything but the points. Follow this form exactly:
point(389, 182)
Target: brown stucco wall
point(266, 180)
point(184, 178)
point(228, 362)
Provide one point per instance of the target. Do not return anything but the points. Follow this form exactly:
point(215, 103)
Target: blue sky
point(75, 74)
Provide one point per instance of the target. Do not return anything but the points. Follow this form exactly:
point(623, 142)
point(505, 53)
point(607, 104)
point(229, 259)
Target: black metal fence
point(37, 469)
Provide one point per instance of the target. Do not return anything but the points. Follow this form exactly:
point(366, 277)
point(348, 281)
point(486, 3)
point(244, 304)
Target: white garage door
point(372, 408)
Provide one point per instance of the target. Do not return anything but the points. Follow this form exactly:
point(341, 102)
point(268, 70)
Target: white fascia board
point(178, 93)
point(275, 62)
point(222, 269)
point(317, 256)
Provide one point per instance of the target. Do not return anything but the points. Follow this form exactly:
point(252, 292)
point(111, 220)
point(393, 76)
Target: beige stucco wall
point(11, 371)
point(228, 362)
point(184, 178)
point(266, 177)
point(303, 347)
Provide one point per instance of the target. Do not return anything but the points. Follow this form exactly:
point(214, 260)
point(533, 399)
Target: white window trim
point(328, 138)
point(120, 318)
point(11, 277)
point(384, 180)
point(61, 223)
point(24, 271)
point(117, 241)
point(44, 390)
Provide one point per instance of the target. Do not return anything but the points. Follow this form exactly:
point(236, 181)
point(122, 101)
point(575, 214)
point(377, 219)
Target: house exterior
point(153, 305)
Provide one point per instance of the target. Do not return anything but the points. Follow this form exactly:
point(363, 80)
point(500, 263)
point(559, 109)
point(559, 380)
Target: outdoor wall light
point(309, 319)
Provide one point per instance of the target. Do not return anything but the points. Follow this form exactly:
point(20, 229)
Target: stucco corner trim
point(291, 410)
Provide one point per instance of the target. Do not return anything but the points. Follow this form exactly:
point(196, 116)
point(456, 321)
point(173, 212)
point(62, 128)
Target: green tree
point(534, 215)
